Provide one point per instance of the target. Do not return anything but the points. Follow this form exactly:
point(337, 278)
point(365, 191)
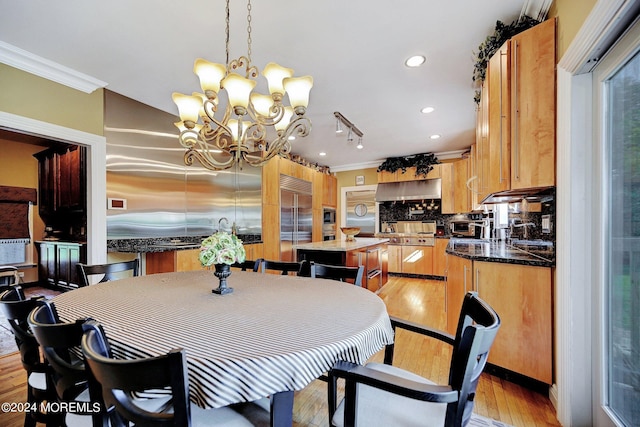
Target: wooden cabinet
point(498, 176)
point(440, 258)
point(447, 201)
point(461, 194)
point(57, 263)
point(329, 191)
point(62, 181)
point(395, 258)
point(187, 259)
point(459, 282)
point(515, 127)
point(533, 101)
point(522, 297)
point(385, 176)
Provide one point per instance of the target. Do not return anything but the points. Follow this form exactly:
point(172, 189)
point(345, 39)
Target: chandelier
point(254, 127)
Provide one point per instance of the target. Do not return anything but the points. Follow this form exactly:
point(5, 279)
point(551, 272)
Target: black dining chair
point(251, 265)
point(163, 379)
point(338, 272)
point(60, 343)
point(284, 267)
point(16, 308)
point(112, 271)
point(9, 275)
point(384, 395)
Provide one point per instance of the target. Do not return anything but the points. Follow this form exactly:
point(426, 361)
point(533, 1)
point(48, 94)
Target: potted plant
point(220, 250)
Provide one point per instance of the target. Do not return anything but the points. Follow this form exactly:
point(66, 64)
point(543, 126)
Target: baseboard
point(516, 378)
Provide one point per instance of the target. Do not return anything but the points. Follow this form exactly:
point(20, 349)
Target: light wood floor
point(414, 299)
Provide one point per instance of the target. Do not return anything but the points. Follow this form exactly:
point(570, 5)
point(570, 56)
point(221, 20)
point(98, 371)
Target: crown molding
point(26, 61)
point(445, 155)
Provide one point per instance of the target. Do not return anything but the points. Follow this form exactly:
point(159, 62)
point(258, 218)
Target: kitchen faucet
point(220, 222)
point(522, 224)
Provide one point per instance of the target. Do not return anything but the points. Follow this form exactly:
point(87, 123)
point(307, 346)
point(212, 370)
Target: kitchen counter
point(167, 244)
point(341, 245)
point(525, 252)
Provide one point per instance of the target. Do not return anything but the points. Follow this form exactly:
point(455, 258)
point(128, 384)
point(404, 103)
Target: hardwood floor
point(414, 299)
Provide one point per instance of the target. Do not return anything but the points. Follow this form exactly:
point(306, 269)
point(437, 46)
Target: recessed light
point(415, 61)
point(427, 110)
point(436, 136)
point(322, 153)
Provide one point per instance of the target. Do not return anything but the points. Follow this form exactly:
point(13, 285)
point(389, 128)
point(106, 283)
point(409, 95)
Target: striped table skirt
point(272, 334)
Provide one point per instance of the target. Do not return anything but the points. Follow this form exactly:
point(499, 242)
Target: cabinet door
point(67, 258)
point(533, 107)
point(499, 113)
point(522, 297)
point(47, 264)
point(440, 257)
point(459, 282)
point(447, 202)
point(330, 191)
point(46, 178)
point(395, 259)
point(417, 259)
point(385, 176)
point(461, 195)
point(482, 145)
point(70, 186)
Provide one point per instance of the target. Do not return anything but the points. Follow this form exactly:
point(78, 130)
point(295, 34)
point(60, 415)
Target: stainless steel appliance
point(329, 224)
point(462, 228)
point(413, 233)
point(295, 215)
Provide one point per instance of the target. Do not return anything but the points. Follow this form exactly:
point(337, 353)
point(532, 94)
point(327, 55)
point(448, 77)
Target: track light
point(342, 120)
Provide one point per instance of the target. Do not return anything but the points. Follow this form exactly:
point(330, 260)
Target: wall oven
point(328, 231)
point(329, 216)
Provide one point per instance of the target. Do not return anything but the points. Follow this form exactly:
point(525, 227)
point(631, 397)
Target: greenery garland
point(493, 42)
point(422, 162)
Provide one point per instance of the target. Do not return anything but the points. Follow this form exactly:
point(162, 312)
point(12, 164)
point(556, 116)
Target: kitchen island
point(369, 252)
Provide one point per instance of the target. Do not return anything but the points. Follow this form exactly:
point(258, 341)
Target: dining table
point(272, 336)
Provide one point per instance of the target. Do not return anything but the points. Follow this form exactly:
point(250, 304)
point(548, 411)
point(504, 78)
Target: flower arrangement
point(221, 248)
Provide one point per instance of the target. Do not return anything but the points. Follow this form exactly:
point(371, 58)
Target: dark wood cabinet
point(57, 263)
point(62, 181)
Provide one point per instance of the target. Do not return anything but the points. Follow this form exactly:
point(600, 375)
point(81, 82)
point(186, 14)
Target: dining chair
point(163, 379)
point(8, 276)
point(337, 272)
point(248, 265)
point(16, 308)
point(385, 395)
point(284, 267)
point(108, 271)
point(60, 344)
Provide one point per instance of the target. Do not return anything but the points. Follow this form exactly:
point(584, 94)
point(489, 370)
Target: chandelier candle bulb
point(298, 89)
point(210, 75)
point(275, 74)
point(238, 88)
point(188, 108)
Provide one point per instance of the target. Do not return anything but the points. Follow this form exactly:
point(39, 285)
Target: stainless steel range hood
point(531, 195)
point(409, 190)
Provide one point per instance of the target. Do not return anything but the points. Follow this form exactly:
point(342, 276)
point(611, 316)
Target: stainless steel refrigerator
point(296, 216)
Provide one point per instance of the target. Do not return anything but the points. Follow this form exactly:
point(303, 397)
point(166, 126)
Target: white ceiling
point(355, 51)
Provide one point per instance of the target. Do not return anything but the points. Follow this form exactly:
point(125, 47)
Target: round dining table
point(271, 336)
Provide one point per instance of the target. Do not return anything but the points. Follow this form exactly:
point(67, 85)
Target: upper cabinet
point(533, 107)
point(409, 175)
point(515, 128)
point(329, 191)
point(62, 180)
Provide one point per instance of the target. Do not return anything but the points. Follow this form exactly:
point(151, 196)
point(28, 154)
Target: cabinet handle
point(517, 113)
point(478, 281)
point(464, 278)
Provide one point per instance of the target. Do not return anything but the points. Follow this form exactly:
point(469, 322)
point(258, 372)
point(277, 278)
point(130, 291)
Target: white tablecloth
point(272, 334)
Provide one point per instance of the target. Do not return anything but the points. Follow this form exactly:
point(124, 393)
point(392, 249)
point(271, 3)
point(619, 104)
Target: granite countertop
point(341, 245)
point(164, 244)
point(527, 252)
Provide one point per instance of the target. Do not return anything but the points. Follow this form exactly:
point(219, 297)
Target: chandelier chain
point(249, 31)
point(226, 41)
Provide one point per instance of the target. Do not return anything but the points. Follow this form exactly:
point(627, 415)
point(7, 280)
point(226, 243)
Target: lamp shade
point(238, 89)
point(210, 74)
point(188, 106)
point(298, 89)
point(275, 74)
point(262, 103)
point(286, 118)
point(235, 132)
